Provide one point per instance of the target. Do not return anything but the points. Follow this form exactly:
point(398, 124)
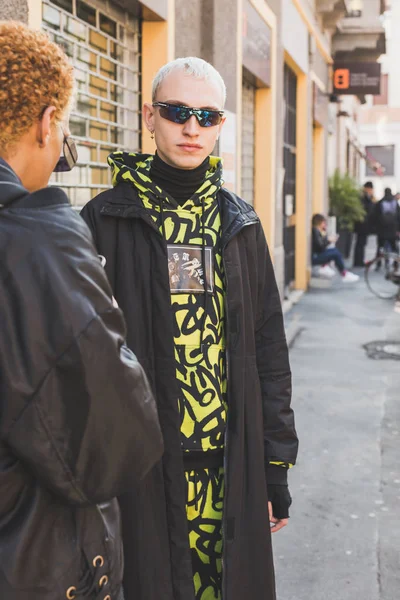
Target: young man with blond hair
point(78, 421)
point(191, 259)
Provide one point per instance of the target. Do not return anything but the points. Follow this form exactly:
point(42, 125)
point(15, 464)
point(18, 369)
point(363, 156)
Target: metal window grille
point(104, 45)
point(248, 141)
point(289, 163)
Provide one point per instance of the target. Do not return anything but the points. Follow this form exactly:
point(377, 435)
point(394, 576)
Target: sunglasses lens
point(61, 166)
point(180, 114)
point(70, 152)
point(69, 158)
point(209, 118)
point(176, 114)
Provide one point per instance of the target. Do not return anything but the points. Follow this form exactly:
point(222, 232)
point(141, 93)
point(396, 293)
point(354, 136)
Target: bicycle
point(382, 275)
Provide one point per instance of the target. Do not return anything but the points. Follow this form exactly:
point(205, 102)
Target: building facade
point(360, 39)
point(380, 116)
point(282, 136)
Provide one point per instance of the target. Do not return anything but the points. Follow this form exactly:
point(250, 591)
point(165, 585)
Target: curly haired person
point(78, 420)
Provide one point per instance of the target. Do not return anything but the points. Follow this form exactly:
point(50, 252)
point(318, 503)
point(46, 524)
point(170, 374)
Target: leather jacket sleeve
point(319, 242)
point(280, 439)
point(79, 412)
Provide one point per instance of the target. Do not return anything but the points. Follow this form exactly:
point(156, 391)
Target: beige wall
point(158, 47)
point(189, 30)
point(14, 9)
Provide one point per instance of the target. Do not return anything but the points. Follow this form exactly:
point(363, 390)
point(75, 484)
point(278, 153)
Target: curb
point(293, 331)
point(293, 327)
point(294, 297)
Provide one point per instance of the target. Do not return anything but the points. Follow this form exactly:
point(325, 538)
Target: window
point(380, 156)
point(86, 13)
point(383, 98)
point(354, 8)
point(289, 164)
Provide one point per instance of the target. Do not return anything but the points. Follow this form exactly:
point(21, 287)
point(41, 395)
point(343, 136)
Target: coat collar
point(123, 202)
point(13, 194)
point(11, 188)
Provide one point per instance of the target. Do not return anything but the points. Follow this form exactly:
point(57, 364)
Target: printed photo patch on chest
point(186, 270)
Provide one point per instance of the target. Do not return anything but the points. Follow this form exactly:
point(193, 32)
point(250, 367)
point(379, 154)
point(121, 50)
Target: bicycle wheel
point(382, 276)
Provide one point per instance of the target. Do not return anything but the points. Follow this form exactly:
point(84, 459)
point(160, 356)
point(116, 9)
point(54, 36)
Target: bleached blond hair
point(191, 65)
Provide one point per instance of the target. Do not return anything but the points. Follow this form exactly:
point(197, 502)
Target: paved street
point(343, 540)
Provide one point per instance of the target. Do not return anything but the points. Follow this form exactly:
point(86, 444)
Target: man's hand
point(277, 523)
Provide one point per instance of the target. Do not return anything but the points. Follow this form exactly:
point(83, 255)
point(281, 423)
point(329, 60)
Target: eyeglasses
point(181, 114)
point(69, 157)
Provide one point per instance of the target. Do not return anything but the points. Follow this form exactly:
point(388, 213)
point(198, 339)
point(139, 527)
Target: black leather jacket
point(78, 422)
point(319, 242)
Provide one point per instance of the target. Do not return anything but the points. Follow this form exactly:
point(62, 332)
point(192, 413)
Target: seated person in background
point(323, 254)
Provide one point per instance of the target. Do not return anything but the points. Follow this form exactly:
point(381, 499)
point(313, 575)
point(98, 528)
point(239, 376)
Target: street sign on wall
point(320, 106)
point(355, 79)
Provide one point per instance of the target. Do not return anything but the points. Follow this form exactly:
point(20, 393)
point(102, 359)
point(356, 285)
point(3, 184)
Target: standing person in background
point(362, 228)
point(191, 259)
point(386, 220)
point(77, 419)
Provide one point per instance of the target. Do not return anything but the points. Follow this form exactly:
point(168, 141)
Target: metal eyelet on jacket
point(98, 561)
point(70, 593)
point(89, 584)
point(103, 581)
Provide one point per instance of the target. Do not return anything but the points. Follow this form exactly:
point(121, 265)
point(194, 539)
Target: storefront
point(103, 42)
point(305, 59)
point(320, 119)
point(258, 105)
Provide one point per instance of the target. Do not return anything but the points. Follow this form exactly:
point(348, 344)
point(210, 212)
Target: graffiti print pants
point(205, 500)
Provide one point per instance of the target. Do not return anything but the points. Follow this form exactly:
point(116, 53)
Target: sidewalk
point(343, 539)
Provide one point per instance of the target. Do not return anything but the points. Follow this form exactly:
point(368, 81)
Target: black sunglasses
point(181, 114)
point(69, 157)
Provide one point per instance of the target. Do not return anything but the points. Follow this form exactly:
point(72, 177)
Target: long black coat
point(260, 422)
point(363, 227)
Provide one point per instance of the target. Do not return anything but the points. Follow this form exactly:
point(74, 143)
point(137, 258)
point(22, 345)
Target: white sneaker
point(349, 277)
point(327, 272)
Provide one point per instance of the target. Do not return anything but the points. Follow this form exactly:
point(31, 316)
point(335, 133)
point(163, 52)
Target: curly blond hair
point(34, 73)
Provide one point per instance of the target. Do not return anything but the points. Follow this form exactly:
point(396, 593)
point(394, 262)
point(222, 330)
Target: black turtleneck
point(181, 184)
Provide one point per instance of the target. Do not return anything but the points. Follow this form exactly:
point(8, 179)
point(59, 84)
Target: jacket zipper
point(107, 531)
point(226, 437)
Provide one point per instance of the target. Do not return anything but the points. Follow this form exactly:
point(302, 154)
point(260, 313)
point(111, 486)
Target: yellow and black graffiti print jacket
point(243, 366)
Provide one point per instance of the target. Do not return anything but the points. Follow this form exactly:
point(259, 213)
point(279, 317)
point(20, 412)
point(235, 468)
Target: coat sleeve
point(88, 215)
point(89, 424)
point(280, 439)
